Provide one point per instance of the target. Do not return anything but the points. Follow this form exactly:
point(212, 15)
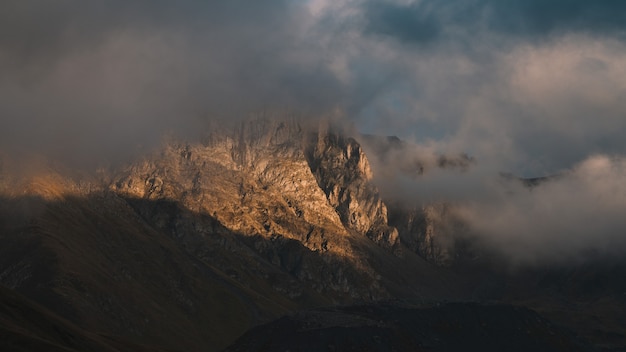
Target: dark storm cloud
point(86, 80)
point(430, 20)
point(536, 17)
point(410, 23)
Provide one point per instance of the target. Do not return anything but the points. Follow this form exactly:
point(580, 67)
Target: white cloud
point(565, 219)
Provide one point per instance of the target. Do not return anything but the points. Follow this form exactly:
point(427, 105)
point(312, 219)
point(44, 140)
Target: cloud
point(572, 216)
point(83, 81)
point(568, 219)
point(523, 86)
point(534, 98)
point(420, 22)
point(411, 23)
point(538, 18)
point(90, 80)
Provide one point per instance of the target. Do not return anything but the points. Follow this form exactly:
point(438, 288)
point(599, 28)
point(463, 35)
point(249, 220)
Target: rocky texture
point(247, 179)
point(344, 173)
point(435, 232)
point(432, 230)
point(255, 180)
point(206, 240)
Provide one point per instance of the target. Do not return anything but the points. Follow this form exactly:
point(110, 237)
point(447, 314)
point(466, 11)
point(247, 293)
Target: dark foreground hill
point(382, 328)
point(26, 327)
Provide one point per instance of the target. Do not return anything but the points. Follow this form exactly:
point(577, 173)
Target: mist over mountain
point(207, 239)
point(173, 174)
point(530, 88)
point(555, 218)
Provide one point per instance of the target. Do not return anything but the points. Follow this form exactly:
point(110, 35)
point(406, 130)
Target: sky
point(532, 87)
point(535, 86)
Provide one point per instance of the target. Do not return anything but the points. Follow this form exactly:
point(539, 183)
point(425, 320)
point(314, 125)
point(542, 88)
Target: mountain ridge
point(206, 240)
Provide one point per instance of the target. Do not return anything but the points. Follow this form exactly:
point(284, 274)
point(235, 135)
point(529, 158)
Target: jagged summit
point(257, 219)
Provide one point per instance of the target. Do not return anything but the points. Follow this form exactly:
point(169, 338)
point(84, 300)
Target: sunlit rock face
point(344, 174)
point(280, 177)
point(275, 179)
point(254, 179)
point(265, 210)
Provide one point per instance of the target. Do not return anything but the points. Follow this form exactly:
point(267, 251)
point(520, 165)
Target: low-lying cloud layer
point(524, 86)
point(570, 218)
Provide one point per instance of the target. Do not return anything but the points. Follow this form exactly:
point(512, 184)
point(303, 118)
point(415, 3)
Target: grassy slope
point(97, 263)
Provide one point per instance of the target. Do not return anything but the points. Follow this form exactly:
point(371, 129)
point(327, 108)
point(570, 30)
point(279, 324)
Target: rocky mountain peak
point(344, 174)
point(261, 217)
point(318, 175)
point(273, 179)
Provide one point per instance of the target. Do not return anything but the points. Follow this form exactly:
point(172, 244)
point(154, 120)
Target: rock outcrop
point(432, 231)
point(344, 174)
point(256, 180)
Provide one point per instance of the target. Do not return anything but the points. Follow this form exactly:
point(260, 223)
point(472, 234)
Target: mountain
point(193, 245)
point(206, 240)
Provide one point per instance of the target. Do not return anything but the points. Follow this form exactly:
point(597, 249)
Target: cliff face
point(344, 174)
point(432, 231)
point(253, 179)
point(272, 180)
point(256, 220)
point(275, 178)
